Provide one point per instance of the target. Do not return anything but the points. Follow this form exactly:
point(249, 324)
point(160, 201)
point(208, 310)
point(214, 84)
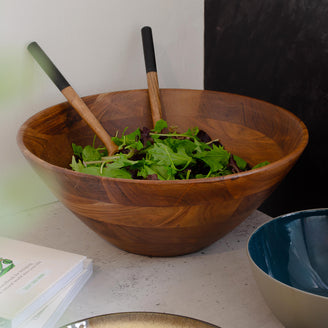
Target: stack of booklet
point(38, 283)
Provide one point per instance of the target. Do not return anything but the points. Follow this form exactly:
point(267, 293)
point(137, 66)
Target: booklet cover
point(30, 275)
point(50, 313)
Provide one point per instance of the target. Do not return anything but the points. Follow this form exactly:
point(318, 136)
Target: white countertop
point(214, 285)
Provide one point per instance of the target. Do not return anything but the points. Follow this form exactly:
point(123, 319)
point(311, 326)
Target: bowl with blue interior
point(289, 260)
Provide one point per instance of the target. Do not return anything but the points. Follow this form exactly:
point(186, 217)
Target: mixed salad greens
point(159, 155)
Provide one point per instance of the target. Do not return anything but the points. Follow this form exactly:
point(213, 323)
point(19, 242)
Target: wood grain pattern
point(79, 105)
point(154, 97)
point(166, 218)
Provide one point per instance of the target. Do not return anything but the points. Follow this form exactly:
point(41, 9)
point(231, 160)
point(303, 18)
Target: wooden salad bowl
point(166, 218)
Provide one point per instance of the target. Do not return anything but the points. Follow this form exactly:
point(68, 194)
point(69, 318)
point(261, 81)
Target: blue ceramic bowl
point(289, 259)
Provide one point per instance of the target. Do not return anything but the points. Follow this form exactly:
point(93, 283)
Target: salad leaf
point(217, 158)
point(76, 165)
point(260, 164)
point(121, 160)
point(160, 125)
point(241, 163)
point(162, 154)
point(77, 150)
point(90, 153)
point(98, 170)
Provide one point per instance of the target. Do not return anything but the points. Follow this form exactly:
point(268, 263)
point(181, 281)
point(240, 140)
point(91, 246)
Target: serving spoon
point(151, 70)
point(71, 95)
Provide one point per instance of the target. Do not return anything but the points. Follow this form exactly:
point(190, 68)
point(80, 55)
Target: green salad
point(159, 155)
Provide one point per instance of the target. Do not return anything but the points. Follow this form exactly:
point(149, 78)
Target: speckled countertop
point(214, 285)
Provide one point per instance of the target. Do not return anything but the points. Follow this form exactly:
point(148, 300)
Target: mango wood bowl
point(166, 218)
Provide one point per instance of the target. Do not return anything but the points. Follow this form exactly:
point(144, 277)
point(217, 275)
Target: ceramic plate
point(140, 320)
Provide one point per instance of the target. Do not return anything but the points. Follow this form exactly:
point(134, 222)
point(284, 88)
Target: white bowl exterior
point(293, 308)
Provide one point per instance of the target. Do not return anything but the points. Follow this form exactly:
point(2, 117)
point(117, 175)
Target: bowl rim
point(165, 314)
point(290, 157)
point(283, 217)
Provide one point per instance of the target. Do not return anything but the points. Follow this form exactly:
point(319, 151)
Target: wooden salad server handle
point(71, 95)
point(151, 70)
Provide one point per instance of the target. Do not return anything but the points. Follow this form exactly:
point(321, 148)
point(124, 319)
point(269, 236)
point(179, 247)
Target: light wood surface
point(79, 105)
point(166, 218)
point(154, 97)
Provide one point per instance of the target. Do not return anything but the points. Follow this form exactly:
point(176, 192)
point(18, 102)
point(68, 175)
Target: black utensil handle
point(148, 48)
point(48, 66)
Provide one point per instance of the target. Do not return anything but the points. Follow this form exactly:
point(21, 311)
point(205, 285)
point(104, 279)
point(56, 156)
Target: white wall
point(97, 46)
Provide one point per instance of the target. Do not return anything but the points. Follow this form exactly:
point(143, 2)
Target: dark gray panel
point(277, 50)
